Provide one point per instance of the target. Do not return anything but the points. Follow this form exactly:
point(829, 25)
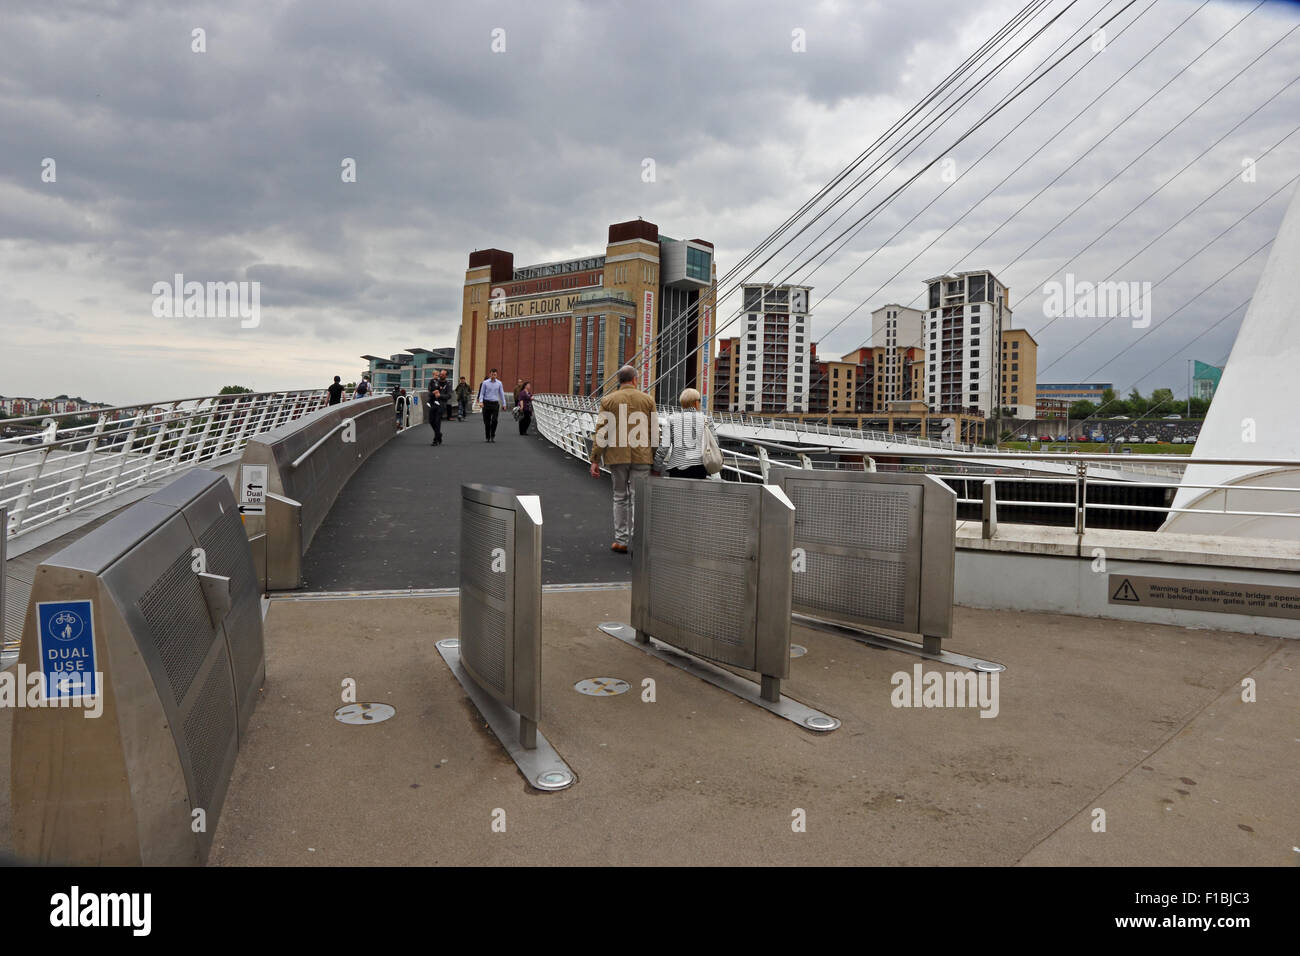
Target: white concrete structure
point(1253, 414)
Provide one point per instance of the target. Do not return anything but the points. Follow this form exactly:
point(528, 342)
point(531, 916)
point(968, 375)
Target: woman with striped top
point(680, 436)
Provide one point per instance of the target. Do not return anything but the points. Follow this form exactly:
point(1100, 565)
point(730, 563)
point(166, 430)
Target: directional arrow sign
point(252, 490)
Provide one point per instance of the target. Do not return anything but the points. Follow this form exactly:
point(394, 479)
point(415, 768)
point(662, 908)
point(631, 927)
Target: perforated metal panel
point(226, 547)
point(210, 731)
point(500, 594)
point(178, 627)
point(877, 549)
point(711, 570)
point(487, 606)
point(169, 652)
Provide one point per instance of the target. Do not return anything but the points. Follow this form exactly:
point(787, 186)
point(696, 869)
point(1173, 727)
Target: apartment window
point(1015, 378)
point(1015, 367)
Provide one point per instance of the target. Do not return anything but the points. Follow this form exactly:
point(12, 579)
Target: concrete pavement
point(699, 777)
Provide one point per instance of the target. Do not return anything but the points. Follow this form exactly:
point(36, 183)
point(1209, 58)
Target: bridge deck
point(397, 523)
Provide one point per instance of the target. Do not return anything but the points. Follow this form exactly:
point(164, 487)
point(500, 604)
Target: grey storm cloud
point(226, 164)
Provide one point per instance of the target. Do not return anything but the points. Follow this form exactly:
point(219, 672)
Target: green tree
point(1163, 401)
point(233, 390)
point(1082, 409)
point(1137, 405)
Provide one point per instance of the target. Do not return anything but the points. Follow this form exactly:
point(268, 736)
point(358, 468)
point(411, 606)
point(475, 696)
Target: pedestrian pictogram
point(1125, 592)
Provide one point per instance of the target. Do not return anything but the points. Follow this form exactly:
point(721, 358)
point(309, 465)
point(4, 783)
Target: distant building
point(1205, 380)
point(1019, 374)
point(898, 338)
point(1052, 395)
point(411, 370)
point(965, 317)
point(773, 364)
point(568, 326)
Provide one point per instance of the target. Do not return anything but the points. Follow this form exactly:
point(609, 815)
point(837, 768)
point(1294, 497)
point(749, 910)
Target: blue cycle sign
point(67, 646)
point(66, 626)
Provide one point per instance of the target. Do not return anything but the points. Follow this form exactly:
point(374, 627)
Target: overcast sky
point(226, 165)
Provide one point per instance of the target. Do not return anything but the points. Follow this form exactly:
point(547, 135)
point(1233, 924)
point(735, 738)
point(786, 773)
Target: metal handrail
point(1102, 465)
point(69, 469)
point(293, 465)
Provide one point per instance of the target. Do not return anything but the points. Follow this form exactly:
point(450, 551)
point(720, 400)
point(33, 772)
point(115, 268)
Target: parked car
point(1152, 440)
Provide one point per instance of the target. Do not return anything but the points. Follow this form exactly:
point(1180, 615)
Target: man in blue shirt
point(491, 394)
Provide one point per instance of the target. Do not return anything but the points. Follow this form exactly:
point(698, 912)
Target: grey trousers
point(623, 503)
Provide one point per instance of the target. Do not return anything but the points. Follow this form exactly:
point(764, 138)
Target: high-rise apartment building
point(773, 371)
point(965, 316)
point(897, 333)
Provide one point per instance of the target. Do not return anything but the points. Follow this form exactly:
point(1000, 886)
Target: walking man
point(462, 399)
point(627, 435)
point(336, 392)
point(445, 394)
point(435, 411)
point(491, 394)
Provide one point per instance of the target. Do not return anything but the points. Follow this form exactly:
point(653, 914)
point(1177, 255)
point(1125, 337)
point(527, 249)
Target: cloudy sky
point(526, 126)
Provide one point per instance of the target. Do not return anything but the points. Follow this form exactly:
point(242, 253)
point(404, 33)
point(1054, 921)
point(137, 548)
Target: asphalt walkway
point(397, 523)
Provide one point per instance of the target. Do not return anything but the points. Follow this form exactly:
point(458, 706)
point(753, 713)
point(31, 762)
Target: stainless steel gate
point(162, 605)
point(711, 572)
point(501, 598)
point(877, 550)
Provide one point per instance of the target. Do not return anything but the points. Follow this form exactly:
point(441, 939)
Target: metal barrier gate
point(877, 550)
point(711, 572)
point(154, 620)
point(498, 657)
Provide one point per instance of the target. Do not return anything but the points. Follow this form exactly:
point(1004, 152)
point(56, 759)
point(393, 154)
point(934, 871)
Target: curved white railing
point(569, 422)
point(49, 468)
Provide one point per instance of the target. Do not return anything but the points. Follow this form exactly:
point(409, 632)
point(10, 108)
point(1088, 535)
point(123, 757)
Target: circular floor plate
point(798, 650)
point(822, 723)
point(554, 780)
point(364, 713)
point(601, 686)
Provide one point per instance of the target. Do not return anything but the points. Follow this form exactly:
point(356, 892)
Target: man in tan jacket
point(627, 434)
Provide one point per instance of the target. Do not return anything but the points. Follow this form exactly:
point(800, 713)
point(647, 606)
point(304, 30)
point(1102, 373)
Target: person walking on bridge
point(445, 395)
point(492, 395)
point(682, 453)
point(435, 410)
point(524, 405)
point(336, 391)
point(627, 434)
point(462, 399)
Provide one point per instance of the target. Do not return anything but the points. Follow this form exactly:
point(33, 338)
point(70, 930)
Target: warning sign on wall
point(1223, 597)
